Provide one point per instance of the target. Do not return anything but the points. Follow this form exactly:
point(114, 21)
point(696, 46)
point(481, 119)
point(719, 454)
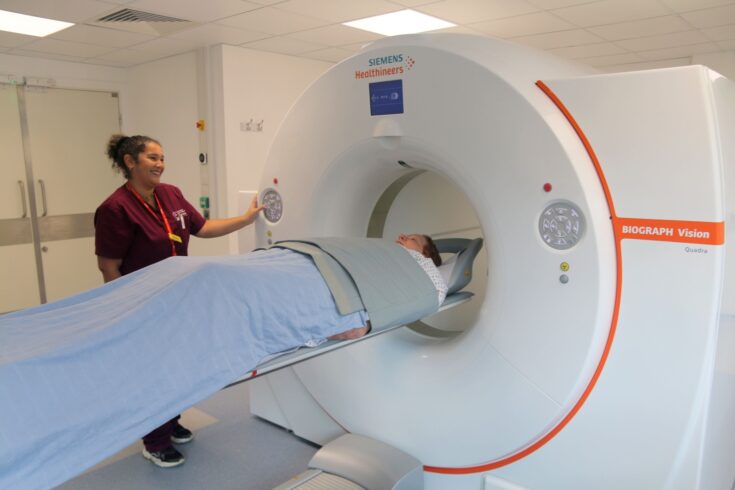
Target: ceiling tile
point(67, 48)
point(109, 63)
point(611, 12)
point(713, 17)
point(575, 37)
point(641, 28)
point(12, 40)
point(649, 65)
point(335, 35)
point(329, 54)
point(126, 57)
point(658, 29)
point(722, 33)
point(588, 50)
point(198, 11)
point(468, 11)
point(555, 4)
point(679, 52)
point(339, 10)
point(663, 41)
point(166, 46)
point(210, 34)
point(615, 59)
point(284, 45)
point(66, 10)
point(48, 56)
point(414, 3)
point(100, 36)
point(687, 5)
point(523, 25)
point(460, 30)
point(354, 48)
point(273, 21)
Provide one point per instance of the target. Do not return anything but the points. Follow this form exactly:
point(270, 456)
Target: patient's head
point(422, 244)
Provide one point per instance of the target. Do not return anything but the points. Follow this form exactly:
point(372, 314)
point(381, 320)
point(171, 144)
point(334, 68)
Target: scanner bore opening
point(426, 202)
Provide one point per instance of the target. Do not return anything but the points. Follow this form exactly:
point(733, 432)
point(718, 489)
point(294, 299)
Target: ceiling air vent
point(129, 15)
point(143, 22)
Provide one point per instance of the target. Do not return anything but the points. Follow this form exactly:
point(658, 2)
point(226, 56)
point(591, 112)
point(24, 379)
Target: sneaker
point(181, 434)
point(165, 458)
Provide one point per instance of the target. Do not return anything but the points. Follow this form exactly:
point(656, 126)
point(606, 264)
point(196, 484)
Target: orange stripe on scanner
point(541, 441)
point(699, 232)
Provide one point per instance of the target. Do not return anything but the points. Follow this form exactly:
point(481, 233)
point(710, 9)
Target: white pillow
point(447, 267)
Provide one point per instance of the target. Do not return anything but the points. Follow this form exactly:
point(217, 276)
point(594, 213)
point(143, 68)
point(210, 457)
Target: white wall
point(258, 85)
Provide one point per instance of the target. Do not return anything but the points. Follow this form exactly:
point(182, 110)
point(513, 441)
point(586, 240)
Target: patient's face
point(414, 242)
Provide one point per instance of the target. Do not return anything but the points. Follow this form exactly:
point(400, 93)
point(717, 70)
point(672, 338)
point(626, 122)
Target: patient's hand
point(352, 334)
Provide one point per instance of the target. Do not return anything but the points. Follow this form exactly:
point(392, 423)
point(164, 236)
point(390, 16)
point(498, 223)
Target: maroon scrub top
point(125, 229)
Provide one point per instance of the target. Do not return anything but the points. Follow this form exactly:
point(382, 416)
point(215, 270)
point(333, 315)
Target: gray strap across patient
point(343, 288)
point(390, 284)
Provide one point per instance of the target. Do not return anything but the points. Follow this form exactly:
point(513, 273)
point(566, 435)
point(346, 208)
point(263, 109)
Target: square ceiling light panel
point(30, 25)
point(402, 22)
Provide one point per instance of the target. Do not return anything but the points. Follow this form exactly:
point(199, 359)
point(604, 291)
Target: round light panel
point(561, 225)
point(273, 205)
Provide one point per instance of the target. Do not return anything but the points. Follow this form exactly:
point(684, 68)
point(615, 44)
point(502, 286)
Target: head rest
point(457, 270)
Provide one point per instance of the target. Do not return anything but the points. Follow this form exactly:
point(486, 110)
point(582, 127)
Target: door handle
point(23, 198)
point(43, 197)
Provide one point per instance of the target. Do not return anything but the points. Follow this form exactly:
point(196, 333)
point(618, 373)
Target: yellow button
point(564, 266)
point(269, 233)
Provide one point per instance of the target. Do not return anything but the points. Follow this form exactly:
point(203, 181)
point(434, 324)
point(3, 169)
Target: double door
point(55, 175)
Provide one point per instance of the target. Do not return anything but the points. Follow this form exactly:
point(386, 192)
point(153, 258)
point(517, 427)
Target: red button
point(547, 187)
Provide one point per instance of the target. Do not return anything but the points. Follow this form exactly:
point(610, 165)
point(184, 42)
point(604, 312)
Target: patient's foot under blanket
point(84, 377)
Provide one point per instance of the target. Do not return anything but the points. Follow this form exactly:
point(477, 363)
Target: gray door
point(18, 274)
point(67, 176)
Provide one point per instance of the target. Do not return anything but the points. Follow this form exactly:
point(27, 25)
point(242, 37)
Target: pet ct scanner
point(601, 352)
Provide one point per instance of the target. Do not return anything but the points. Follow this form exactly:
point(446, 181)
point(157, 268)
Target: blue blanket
point(82, 378)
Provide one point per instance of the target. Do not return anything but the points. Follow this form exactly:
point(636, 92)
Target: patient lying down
point(190, 324)
point(423, 249)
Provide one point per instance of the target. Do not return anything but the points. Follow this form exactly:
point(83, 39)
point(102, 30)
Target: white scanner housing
point(602, 351)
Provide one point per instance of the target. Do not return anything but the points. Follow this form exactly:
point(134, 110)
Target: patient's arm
point(354, 333)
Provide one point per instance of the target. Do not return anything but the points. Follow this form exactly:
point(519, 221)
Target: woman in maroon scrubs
point(145, 221)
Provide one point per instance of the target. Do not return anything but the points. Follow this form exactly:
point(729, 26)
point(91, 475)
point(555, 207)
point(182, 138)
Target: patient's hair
point(431, 251)
point(121, 145)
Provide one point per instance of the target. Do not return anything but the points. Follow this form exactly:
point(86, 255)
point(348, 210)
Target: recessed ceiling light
point(402, 22)
point(30, 25)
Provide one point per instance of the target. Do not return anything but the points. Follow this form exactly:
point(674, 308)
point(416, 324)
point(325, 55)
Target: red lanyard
point(166, 225)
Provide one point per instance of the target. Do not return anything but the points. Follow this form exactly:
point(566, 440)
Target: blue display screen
point(386, 97)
